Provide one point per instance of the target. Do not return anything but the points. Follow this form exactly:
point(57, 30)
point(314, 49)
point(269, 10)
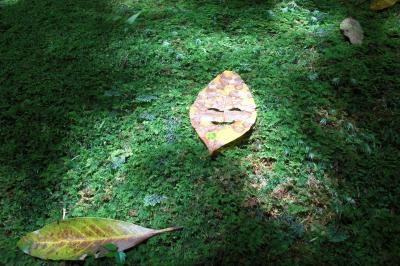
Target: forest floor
point(94, 120)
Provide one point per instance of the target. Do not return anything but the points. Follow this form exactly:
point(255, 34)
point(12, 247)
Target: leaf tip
point(211, 151)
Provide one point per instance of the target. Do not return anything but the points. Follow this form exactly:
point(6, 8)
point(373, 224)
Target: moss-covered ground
point(94, 120)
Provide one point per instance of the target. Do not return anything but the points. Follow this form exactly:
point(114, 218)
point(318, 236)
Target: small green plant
point(114, 253)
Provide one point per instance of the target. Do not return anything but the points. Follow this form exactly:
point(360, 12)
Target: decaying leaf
point(77, 238)
point(351, 28)
point(382, 4)
point(223, 111)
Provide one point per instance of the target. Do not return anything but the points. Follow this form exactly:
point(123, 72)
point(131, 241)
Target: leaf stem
point(169, 229)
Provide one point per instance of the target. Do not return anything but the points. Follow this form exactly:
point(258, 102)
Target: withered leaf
point(224, 111)
point(351, 28)
point(77, 238)
point(382, 4)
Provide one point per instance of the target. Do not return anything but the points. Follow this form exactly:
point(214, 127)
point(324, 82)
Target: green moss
point(94, 119)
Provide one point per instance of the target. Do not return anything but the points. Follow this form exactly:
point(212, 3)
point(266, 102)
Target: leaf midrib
point(89, 239)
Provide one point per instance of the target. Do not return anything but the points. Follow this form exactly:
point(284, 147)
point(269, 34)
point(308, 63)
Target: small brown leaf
point(251, 202)
point(224, 111)
point(351, 28)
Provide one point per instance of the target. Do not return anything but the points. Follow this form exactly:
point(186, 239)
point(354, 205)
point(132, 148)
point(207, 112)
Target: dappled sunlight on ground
point(94, 117)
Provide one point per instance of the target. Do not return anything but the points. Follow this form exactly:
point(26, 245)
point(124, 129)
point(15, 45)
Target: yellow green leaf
point(382, 4)
point(77, 238)
point(224, 111)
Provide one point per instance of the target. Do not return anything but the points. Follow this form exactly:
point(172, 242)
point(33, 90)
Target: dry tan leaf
point(224, 111)
point(351, 28)
point(382, 4)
